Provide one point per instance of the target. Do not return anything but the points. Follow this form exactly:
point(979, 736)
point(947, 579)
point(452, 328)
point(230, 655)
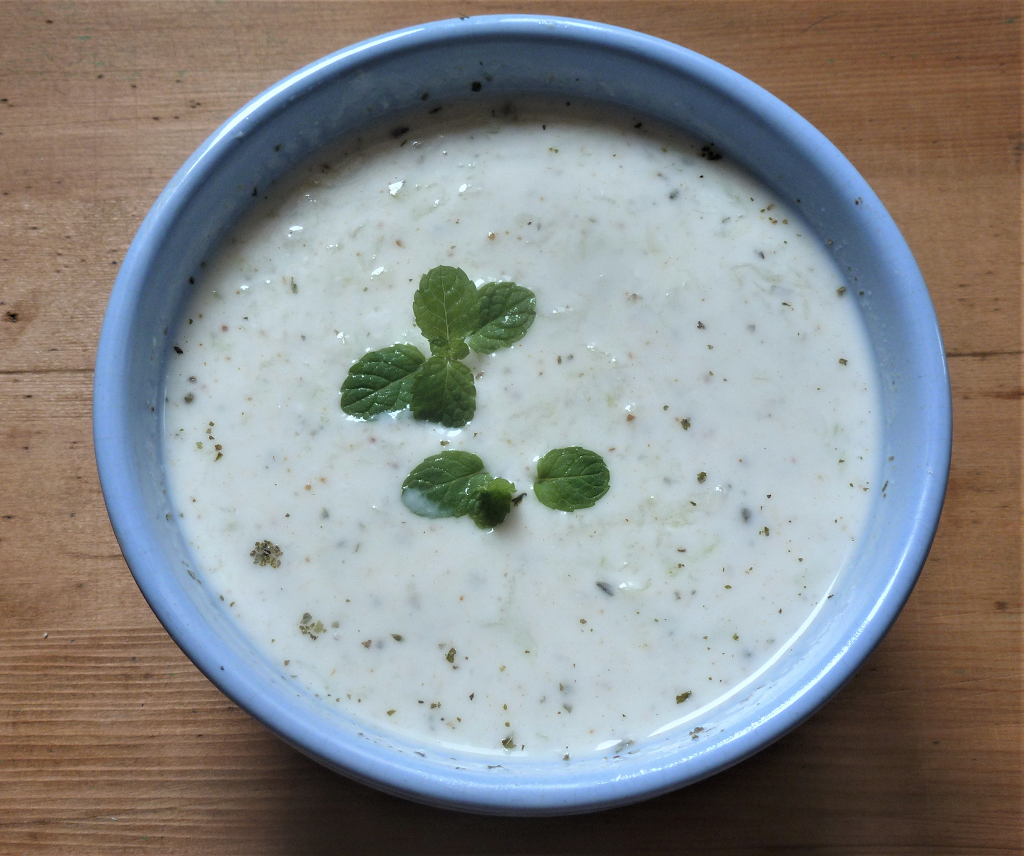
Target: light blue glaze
point(516, 55)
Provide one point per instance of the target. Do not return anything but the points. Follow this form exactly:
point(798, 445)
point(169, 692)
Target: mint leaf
point(444, 392)
point(491, 503)
point(381, 381)
point(444, 485)
point(570, 479)
point(446, 306)
point(506, 312)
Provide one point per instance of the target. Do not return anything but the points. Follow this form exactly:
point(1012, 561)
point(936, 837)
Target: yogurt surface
point(690, 329)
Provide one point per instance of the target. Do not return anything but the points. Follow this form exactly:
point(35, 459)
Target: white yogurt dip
point(690, 330)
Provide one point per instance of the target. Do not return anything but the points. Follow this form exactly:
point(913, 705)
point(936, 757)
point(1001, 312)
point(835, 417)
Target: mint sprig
point(570, 479)
point(449, 310)
point(455, 317)
point(454, 484)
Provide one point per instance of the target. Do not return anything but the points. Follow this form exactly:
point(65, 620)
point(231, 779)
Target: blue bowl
point(544, 56)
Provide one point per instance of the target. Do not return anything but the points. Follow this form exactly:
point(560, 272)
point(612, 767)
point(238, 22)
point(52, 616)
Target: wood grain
point(111, 741)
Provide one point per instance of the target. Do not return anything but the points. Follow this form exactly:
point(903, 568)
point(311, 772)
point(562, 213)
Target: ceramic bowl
point(545, 56)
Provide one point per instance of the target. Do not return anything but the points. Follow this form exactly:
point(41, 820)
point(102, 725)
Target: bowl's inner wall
point(352, 89)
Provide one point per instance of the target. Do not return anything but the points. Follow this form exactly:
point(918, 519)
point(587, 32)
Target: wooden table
point(111, 741)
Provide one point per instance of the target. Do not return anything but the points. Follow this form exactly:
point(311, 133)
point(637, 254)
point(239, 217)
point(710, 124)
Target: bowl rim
point(403, 776)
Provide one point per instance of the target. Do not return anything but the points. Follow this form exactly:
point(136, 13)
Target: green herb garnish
point(444, 392)
point(381, 381)
point(449, 310)
point(454, 484)
point(455, 317)
point(506, 312)
point(442, 484)
point(311, 628)
point(492, 503)
point(570, 479)
point(267, 553)
point(446, 306)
